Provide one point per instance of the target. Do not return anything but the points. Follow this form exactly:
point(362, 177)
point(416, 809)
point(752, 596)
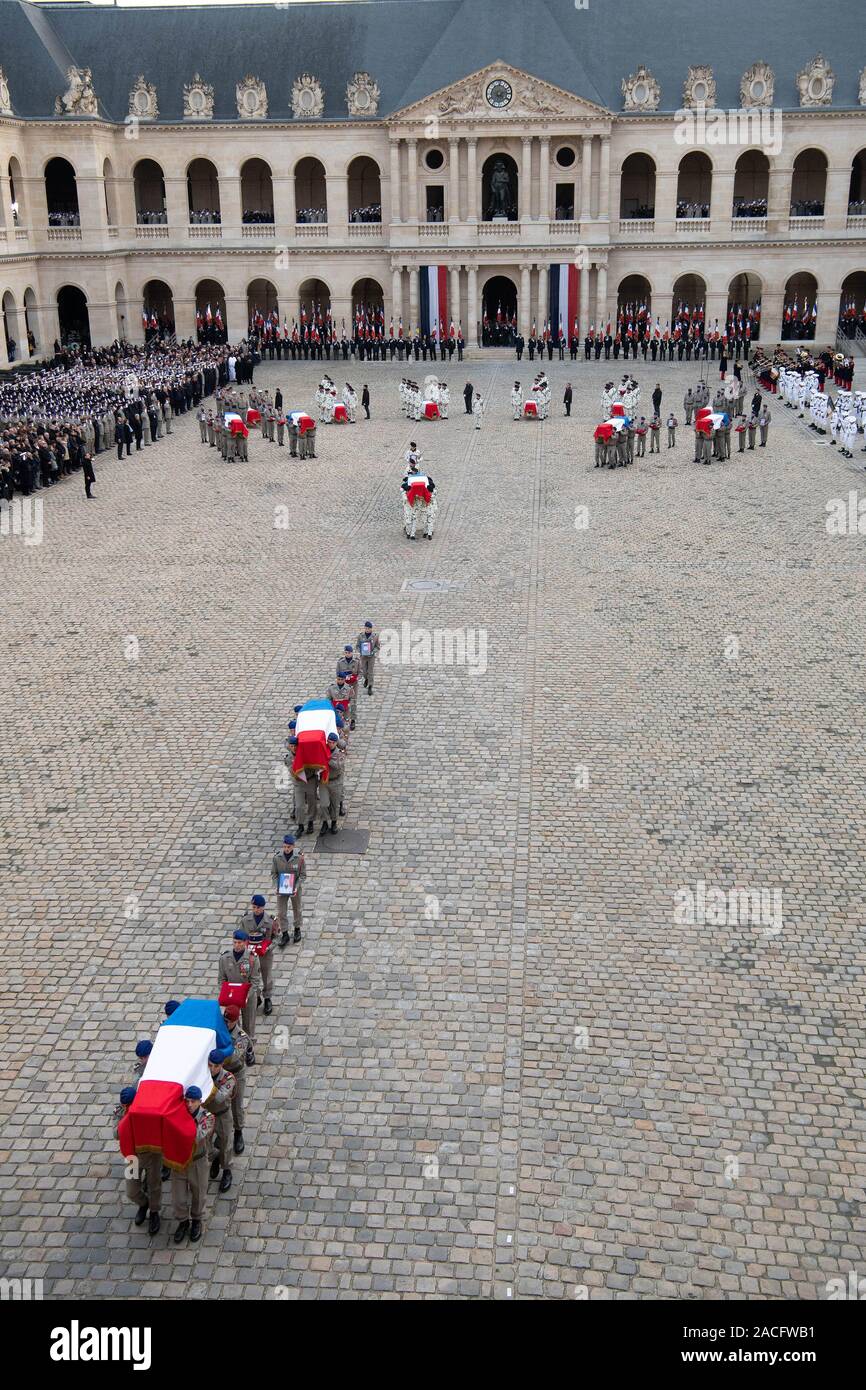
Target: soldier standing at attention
point(764, 424)
point(239, 966)
point(202, 423)
point(752, 427)
point(689, 404)
point(654, 427)
point(189, 1188)
point(220, 1106)
point(293, 437)
point(351, 668)
point(672, 430)
point(640, 432)
point(740, 429)
point(289, 861)
point(368, 645)
point(261, 934)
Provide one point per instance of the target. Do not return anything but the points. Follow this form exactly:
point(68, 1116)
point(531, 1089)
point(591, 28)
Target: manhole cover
point(430, 586)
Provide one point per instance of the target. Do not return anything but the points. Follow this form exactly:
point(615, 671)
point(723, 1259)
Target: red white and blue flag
point(564, 293)
point(313, 722)
point(434, 296)
point(158, 1120)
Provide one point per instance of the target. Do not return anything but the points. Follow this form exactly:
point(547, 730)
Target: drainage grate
point(430, 586)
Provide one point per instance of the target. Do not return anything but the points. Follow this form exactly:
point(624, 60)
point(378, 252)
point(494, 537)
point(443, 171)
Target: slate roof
point(415, 47)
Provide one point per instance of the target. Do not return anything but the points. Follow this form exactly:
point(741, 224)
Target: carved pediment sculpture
point(699, 88)
point(362, 95)
point(197, 100)
point(307, 97)
point(862, 92)
point(462, 99)
point(533, 97)
point(142, 100)
point(5, 98)
point(79, 99)
point(640, 91)
point(757, 85)
point(815, 83)
point(252, 99)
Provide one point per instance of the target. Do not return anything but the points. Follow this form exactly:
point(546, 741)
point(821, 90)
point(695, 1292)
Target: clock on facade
point(499, 93)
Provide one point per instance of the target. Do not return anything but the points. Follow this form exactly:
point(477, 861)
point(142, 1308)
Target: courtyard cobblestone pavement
point(497, 1065)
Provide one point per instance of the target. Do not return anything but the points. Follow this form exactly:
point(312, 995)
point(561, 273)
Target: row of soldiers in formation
point(421, 347)
point(657, 348)
point(249, 960)
point(845, 417)
point(413, 397)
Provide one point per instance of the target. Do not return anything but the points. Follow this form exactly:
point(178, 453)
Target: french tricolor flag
point(158, 1120)
point(434, 297)
point(419, 489)
point(313, 722)
point(708, 421)
point(564, 294)
point(303, 421)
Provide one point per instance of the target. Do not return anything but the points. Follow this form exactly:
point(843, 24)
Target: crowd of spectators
point(257, 215)
point(642, 212)
point(808, 207)
point(204, 217)
point(372, 213)
point(750, 207)
point(311, 215)
point(64, 217)
point(686, 209)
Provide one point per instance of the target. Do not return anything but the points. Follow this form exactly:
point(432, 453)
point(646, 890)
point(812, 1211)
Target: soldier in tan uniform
point(333, 788)
point(189, 1188)
point(240, 966)
point(288, 860)
point(143, 1173)
point(367, 643)
point(340, 696)
point(261, 931)
point(220, 1106)
point(350, 667)
point(237, 1063)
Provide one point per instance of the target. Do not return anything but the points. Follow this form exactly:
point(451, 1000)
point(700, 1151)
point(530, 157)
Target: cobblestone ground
point(498, 1064)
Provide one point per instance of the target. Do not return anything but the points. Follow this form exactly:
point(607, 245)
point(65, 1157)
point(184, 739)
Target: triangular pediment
point(467, 99)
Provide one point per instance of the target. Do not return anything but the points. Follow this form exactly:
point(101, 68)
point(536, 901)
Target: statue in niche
point(501, 198)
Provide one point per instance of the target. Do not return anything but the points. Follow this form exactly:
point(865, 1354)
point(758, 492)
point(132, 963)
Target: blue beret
point(258, 900)
point(288, 839)
point(293, 723)
point(293, 741)
point(170, 1007)
point(143, 1048)
point(298, 708)
point(341, 675)
point(241, 935)
point(339, 719)
point(215, 1056)
point(348, 647)
point(332, 736)
point(127, 1095)
point(192, 1093)
point(368, 623)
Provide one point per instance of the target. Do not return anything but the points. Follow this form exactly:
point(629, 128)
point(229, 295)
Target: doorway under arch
point(73, 317)
point(499, 312)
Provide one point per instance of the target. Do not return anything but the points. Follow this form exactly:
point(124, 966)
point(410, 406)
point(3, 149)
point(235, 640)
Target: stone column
point(721, 202)
point(35, 204)
point(397, 295)
point(543, 297)
point(835, 206)
point(544, 180)
point(666, 201)
point(338, 203)
point(601, 297)
point(414, 299)
point(772, 308)
point(827, 321)
point(412, 153)
point(584, 307)
point(92, 212)
point(525, 306)
point(124, 192)
point(284, 203)
point(453, 297)
point(19, 333)
point(453, 179)
point(715, 307)
point(604, 188)
point(779, 198)
point(471, 332)
point(230, 204)
point(472, 191)
point(47, 326)
point(177, 206)
point(585, 176)
point(395, 181)
point(526, 178)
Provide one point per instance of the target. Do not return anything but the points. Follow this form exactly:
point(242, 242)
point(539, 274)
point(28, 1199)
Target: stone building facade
point(668, 183)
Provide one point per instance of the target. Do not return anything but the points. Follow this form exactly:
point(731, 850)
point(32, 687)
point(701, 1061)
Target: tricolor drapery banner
point(564, 298)
point(434, 297)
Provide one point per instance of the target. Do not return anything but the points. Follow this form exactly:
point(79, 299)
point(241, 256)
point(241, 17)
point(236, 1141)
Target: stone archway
point(73, 316)
point(499, 312)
